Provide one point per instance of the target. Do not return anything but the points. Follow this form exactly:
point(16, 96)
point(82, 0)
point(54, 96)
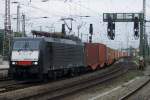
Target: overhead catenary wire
point(57, 15)
point(42, 10)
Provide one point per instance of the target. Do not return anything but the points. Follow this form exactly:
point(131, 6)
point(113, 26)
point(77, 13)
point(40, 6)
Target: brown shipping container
point(125, 54)
point(120, 54)
point(95, 55)
point(116, 53)
point(110, 56)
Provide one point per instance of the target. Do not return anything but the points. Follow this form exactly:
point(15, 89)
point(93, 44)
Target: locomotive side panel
point(46, 56)
point(67, 56)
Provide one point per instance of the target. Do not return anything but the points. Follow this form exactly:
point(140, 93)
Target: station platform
point(4, 65)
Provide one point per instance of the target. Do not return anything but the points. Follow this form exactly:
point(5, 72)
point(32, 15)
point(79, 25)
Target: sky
point(57, 9)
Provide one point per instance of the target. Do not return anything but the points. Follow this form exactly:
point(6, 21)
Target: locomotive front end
point(25, 54)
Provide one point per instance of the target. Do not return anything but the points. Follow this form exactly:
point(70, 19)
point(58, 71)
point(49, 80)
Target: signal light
point(91, 29)
point(90, 39)
point(111, 29)
point(91, 33)
point(136, 27)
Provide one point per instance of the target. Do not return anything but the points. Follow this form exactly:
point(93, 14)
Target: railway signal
point(137, 18)
point(111, 29)
point(91, 33)
point(90, 39)
point(63, 29)
point(136, 27)
point(91, 29)
point(111, 18)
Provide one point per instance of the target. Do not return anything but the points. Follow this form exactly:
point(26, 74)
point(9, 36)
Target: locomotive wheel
point(77, 71)
point(74, 72)
point(50, 75)
point(71, 73)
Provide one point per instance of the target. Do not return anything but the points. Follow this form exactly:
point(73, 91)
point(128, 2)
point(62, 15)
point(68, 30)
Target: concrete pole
point(23, 25)
point(144, 29)
point(18, 18)
point(7, 32)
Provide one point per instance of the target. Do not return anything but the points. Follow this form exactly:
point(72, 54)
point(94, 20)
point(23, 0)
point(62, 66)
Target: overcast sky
point(57, 9)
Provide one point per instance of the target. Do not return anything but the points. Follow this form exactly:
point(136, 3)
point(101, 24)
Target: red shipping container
point(120, 54)
point(116, 53)
point(110, 56)
point(95, 55)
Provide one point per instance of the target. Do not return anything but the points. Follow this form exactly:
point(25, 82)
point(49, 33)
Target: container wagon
point(96, 55)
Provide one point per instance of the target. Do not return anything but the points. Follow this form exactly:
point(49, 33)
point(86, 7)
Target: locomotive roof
point(50, 39)
point(55, 35)
point(27, 38)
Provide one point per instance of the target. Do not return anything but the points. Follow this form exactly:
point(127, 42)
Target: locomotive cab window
point(26, 45)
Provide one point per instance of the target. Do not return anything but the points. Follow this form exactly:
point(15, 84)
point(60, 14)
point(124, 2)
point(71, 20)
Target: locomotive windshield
point(26, 45)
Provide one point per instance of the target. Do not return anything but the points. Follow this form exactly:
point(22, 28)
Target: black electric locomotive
point(45, 57)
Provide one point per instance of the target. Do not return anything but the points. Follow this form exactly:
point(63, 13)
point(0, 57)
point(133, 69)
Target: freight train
point(54, 56)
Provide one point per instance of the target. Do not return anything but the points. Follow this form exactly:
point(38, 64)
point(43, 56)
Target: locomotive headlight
point(13, 63)
point(35, 63)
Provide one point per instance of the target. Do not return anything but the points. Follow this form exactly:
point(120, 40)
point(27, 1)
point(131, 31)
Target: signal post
point(137, 18)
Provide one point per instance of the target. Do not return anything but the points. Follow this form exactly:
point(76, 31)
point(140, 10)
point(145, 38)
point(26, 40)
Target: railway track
point(8, 86)
point(11, 85)
point(58, 89)
point(64, 91)
point(5, 79)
